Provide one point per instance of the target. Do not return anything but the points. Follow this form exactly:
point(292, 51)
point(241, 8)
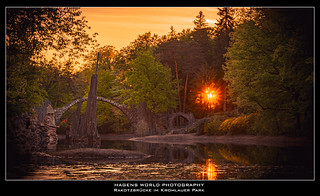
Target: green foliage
point(35, 31)
point(109, 118)
point(149, 82)
point(265, 56)
point(269, 69)
point(248, 65)
point(23, 88)
point(105, 111)
point(143, 42)
point(274, 123)
point(238, 125)
point(211, 127)
point(105, 81)
point(30, 34)
point(61, 85)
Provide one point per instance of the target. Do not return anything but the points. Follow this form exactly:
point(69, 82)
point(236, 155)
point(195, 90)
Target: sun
point(210, 96)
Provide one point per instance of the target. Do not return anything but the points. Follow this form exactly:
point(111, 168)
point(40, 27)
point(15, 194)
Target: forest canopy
point(270, 69)
point(260, 60)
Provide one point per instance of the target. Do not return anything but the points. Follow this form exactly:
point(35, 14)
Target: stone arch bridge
point(124, 108)
point(188, 116)
point(140, 118)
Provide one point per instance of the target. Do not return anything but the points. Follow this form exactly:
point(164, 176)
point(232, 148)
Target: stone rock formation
point(34, 131)
point(86, 134)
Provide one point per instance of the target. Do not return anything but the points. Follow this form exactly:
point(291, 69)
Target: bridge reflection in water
point(187, 162)
point(209, 173)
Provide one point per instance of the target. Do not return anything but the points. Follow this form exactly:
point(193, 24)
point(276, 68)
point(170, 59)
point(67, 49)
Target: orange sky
point(118, 26)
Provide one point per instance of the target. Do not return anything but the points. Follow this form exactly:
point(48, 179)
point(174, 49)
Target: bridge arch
point(188, 116)
point(138, 117)
point(60, 111)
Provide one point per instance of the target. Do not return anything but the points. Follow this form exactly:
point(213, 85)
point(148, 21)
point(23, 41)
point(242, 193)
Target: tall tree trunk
point(178, 86)
point(225, 97)
point(58, 93)
point(185, 92)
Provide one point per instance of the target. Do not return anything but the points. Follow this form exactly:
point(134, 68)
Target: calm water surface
point(188, 162)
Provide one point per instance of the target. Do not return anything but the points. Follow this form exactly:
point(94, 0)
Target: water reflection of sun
point(209, 173)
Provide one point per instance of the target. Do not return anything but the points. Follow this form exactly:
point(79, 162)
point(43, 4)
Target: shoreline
point(98, 155)
point(191, 139)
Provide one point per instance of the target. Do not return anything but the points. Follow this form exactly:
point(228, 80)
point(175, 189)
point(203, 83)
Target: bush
point(276, 123)
point(198, 128)
point(238, 125)
point(211, 127)
point(226, 125)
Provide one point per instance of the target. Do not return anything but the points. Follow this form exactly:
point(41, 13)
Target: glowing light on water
point(210, 171)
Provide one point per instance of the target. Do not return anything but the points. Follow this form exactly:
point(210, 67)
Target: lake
point(199, 161)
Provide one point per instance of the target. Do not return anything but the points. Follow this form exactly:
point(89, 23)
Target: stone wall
point(26, 139)
point(29, 135)
point(33, 131)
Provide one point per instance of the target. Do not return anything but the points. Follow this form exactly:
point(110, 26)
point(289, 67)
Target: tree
point(167, 53)
point(200, 21)
point(23, 87)
point(35, 31)
point(189, 56)
point(185, 58)
point(172, 34)
point(223, 28)
point(109, 118)
point(225, 23)
point(143, 42)
point(30, 34)
point(107, 57)
point(269, 70)
point(246, 65)
point(242, 15)
point(191, 59)
point(58, 83)
point(149, 82)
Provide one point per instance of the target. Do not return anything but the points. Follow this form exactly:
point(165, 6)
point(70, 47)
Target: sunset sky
point(118, 26)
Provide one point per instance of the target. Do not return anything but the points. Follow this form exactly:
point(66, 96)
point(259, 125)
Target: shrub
point(275, 123)
point(226, 125)
point(198, 128)
point(211, 127)
point(238, 125)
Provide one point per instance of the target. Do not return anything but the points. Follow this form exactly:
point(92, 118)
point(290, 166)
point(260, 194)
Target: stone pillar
point(51, 137)
point(143, 124)
point(74, 133)
point(46, 123)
